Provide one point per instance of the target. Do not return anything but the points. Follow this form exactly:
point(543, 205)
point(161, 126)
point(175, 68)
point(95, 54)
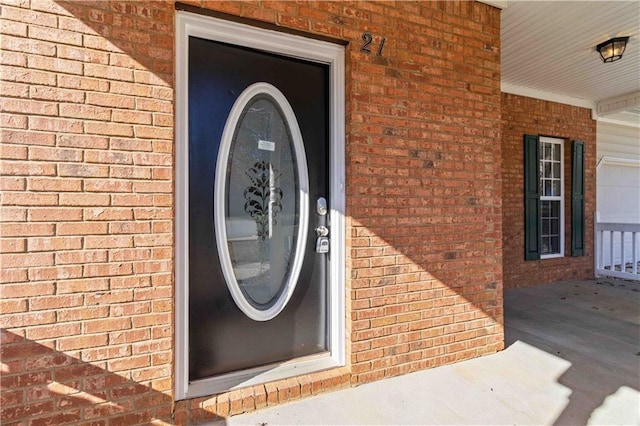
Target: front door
point(258, 151)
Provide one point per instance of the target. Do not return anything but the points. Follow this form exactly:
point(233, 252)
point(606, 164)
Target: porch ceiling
point(548, 51)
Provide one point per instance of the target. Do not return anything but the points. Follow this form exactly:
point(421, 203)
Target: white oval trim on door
point(221, 196)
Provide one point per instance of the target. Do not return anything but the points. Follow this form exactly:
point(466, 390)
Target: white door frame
point(189, 24)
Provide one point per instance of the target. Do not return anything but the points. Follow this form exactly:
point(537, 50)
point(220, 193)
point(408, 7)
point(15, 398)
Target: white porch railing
point(618, 250)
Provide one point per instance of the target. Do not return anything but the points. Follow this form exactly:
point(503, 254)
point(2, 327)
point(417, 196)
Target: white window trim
point(556, 198)
point(189, 24)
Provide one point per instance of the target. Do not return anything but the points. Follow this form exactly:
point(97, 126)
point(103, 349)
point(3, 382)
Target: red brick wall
point(423, 186)
point(522, 115)
point(87, 211)
point(87, 207)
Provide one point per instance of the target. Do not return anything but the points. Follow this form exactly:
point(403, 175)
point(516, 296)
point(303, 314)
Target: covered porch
point(571, 358)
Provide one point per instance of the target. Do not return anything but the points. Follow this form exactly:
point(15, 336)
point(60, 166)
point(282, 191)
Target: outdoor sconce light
point(612, 50)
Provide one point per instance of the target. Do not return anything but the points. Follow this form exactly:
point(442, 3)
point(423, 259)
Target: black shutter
point(577, 199)
point(532, 239)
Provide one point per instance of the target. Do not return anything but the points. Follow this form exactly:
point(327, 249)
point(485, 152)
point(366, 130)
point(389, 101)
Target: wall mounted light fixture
point(612, 50)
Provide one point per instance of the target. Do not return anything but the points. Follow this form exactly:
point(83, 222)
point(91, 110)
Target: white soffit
point(548, 50)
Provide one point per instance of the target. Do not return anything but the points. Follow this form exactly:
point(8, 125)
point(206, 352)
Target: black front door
point(252, 240)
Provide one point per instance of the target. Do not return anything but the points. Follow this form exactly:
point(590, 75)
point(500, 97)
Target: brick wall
point(87, 202)
point(423, 187)
point(87, 211)
point(522, 115)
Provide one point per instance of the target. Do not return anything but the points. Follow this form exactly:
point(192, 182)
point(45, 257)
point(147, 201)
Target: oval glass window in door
point(261, 201)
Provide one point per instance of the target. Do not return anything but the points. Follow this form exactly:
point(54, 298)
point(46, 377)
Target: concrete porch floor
point(571, 357)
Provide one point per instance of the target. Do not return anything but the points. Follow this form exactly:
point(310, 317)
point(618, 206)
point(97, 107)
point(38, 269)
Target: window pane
point(546, 227)
point(547, 170)
point(550, 224)
point(556, 188)
point(556, 170)
point(556, 152)
point(546, 245)
point(545, 209)
point(546, 151)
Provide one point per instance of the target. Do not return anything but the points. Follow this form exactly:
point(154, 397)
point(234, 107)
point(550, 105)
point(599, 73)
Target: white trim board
point(500, 4)
point(190, 24)
point(618, 104)
point(545, 96)
point(618, 122)
point(618, 162)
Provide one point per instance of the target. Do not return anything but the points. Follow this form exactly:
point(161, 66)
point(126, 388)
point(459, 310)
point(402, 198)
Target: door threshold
point(266, 373)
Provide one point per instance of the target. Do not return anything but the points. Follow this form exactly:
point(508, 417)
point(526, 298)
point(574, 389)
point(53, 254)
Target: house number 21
point(367, 39)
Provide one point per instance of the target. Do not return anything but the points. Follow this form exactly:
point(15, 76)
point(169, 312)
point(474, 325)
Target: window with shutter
point(544, 197)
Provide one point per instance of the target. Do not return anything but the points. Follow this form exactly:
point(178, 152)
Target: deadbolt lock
point(321, 206)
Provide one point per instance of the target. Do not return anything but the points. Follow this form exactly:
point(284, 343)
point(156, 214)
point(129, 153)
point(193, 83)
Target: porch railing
point(618, 250)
